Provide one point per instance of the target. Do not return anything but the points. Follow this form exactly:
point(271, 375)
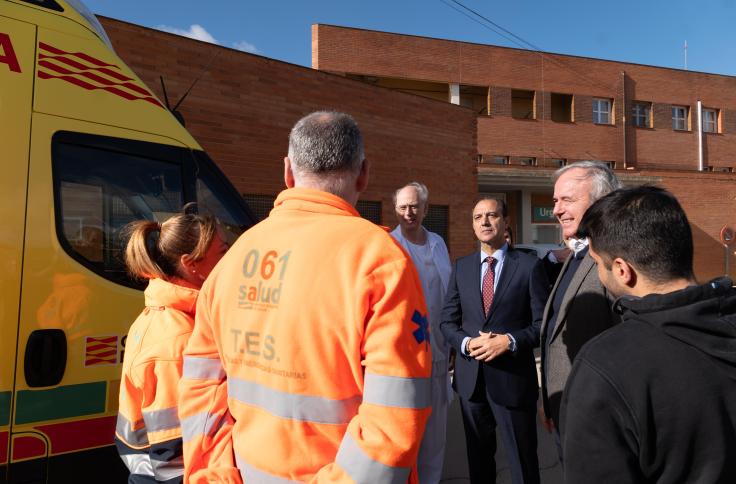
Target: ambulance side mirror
point(45, 358)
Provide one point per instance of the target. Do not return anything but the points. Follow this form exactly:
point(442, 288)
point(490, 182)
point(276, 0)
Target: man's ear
point(624, 272)
point(361, 183)
point(288, 173)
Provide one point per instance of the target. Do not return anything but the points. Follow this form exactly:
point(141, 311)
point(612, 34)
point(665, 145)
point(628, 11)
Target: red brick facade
point(656, 154)
point(244, 105)
point(355, 51)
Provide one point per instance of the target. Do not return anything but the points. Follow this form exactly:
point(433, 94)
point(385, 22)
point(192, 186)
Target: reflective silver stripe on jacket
point(297, 407)
point(203, 423)
point(164, 419)
point(165, 470)
point(252, 475)
point(202, 368)
point(124, 429)
point(395, 391)
point(139, 464)
point(364, 470)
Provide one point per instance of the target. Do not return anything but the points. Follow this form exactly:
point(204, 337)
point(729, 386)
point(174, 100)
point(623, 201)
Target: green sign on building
point(542, 215)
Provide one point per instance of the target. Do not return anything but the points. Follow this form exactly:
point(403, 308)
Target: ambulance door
point(87, 181)
point(17, 41)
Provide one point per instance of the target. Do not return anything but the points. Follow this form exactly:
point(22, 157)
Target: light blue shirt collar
point(499, 255)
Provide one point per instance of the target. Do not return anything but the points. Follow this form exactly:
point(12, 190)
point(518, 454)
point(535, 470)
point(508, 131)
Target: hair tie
point(153, 237)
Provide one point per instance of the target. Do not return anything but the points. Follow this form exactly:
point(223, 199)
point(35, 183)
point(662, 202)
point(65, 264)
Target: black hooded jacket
point(653, 400)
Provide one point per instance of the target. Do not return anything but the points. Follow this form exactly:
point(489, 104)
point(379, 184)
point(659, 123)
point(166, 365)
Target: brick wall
point(243, 107)
point(709, 199)
point(347, 50)
point(669, 156)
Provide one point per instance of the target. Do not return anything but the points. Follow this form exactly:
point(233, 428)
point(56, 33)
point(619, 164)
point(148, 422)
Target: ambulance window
point(50, 4)
point(216, 198)
point(100, 186)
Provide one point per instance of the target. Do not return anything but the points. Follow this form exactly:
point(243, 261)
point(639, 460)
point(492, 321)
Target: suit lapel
point(551, 298)
point(586, 265)
point(507, 272)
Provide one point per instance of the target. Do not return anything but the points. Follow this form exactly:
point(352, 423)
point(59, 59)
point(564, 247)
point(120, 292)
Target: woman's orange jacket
point(148, 433)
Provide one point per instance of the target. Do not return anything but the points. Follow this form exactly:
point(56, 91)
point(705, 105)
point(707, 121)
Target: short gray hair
point(325, 142)
point(421, 189)
point(603, 179)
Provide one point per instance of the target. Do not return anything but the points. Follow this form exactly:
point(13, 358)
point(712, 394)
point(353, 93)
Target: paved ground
point(456, 462)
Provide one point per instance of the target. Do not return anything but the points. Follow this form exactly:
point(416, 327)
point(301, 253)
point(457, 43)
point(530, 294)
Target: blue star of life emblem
point(421, 334)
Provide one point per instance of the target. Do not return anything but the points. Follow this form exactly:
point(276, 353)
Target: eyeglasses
point(404, 208)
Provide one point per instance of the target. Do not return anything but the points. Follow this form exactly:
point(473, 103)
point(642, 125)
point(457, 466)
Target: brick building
point(243, 106)
point(520, 116)
point(538, 111)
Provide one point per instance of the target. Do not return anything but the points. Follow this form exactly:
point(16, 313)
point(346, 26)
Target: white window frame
point(527, 160)
point(710, 125)
point(676, 120)
point(600, 115)
point(641, 114)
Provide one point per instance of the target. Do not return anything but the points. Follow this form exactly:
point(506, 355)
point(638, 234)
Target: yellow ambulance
point(86, 148)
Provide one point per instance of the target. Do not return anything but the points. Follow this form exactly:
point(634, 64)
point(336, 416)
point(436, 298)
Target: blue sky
point(643, 31)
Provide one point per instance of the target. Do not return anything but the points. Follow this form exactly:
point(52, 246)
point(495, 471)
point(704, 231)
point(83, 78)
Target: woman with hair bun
point(175, 257)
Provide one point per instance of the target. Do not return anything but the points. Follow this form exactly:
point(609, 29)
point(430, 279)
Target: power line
point(481, 23)
point(527, 43)
point(520, 41)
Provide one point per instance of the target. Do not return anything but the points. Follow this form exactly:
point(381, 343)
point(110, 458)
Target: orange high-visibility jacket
point(148, 433)
point(310, 359)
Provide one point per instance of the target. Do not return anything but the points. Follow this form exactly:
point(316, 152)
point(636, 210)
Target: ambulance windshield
point(90, 17)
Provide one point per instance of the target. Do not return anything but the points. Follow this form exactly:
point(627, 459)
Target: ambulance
point(85, 148)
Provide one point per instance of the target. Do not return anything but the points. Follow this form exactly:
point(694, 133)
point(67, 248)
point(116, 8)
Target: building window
point(369, 210)
point(260, 205)
point(476, 98)
point(495, 159)
point(561, 107)
point(438, 221)
point(558, 162)
point(641, 114)
point(710, 120)
point(522, 104)
point(679, 118)
point(601, 111)
point(526, 161)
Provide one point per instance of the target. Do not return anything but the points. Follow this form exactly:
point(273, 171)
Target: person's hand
point(547, 422)
point(488, 346)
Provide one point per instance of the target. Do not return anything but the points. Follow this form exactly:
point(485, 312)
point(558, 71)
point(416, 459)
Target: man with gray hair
point(429, 254)
point(312, 334)
point(579, 306)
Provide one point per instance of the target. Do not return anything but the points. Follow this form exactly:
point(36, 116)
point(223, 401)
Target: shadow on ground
point(456, 461)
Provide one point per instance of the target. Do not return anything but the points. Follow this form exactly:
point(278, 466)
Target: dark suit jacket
point(518, 305)
point(585, 312)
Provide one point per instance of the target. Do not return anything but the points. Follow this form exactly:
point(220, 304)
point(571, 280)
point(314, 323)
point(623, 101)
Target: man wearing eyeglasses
point(429, 254)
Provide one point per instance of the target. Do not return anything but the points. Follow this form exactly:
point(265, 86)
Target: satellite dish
point(728, 234)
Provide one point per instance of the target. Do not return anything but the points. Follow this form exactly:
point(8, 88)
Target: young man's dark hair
point(647, 226)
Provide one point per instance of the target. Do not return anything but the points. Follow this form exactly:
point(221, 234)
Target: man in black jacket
point(654, 398)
